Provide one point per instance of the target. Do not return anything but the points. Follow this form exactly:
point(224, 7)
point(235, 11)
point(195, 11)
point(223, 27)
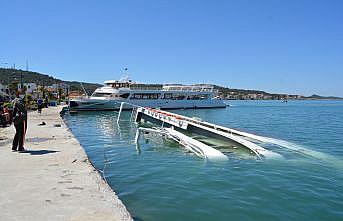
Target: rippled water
point(163, 182)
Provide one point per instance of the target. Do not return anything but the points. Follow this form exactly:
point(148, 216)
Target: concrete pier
point(54, 179)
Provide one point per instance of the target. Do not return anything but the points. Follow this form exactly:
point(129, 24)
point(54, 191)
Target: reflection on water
point(164, 182)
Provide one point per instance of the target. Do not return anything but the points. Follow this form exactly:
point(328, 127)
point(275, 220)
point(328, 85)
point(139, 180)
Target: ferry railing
point(190, 89)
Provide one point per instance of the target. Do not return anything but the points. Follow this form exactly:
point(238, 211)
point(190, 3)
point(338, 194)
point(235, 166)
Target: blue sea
point(163, 182)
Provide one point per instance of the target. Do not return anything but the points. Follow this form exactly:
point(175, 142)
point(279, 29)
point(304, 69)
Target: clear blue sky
point(288, 46)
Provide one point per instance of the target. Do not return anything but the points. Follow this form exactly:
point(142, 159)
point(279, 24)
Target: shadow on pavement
point(39, 152)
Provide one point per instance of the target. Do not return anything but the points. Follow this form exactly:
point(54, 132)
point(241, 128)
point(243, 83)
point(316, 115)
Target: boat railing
point(184, 88)
point(146, 87)
point(188, 88)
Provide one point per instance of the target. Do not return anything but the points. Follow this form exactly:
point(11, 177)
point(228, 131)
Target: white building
point(62, 86)
point(30, 87)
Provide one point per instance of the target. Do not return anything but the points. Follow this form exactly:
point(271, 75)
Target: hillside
point(8, 76)
point(243, 93)
point(318, 97)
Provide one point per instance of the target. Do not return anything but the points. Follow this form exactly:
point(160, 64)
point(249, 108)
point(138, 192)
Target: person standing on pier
point(20, 124)
point(40, 105)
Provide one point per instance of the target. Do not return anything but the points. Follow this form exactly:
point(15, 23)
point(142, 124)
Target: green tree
point(13, 87)
point(42, 91)
point(28, 99)
point(60, 92)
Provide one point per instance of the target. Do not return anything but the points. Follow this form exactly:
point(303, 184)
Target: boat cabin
point(118, 84)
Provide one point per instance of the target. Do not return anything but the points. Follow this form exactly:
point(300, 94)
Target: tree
point(13, 88)
point(60, 91)
point(42, 91)
point(28, 99)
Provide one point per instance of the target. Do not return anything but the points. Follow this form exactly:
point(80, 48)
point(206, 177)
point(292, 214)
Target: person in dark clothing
point(46, 102)
point(40, 105)
point(20, 124)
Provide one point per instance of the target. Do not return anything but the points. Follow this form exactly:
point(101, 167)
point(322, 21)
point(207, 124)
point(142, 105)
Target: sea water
point(162, 181)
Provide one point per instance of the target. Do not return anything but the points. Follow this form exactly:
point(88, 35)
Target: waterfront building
point(29, 87)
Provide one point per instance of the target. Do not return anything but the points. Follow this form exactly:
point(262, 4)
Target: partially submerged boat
point(205, 139)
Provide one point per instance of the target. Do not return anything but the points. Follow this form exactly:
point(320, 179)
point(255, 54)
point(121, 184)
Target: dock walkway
point(53, 180)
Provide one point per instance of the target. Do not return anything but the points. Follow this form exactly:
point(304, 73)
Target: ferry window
point(153, 96)
point(116, 85)
point(145, 96)
point(197, 97)
point(191, 97)
point(174, 96)
point(126, 95)
point(101, 95)
point(167, 96)
point(203, 96)
point(178, 96)
point(136, 96)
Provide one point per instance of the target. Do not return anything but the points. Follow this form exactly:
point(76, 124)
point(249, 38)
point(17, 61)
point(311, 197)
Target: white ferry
point(113, 93)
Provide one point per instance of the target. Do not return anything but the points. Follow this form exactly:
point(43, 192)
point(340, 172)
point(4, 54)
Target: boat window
point(174, 96)
point(167, 96)
point(97, 94)
point(198, 97)
point(178, 96)
point(145, 96)
point(118, 85)
point(126, 95)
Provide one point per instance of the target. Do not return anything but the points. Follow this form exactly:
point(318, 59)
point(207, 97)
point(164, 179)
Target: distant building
point(251, 96)
point(294, 96)
point(30, 87)
point(267, 97)
point(56, 87)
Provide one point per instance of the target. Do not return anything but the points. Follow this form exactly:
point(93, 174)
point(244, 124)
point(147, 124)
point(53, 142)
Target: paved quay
point(53, 179)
